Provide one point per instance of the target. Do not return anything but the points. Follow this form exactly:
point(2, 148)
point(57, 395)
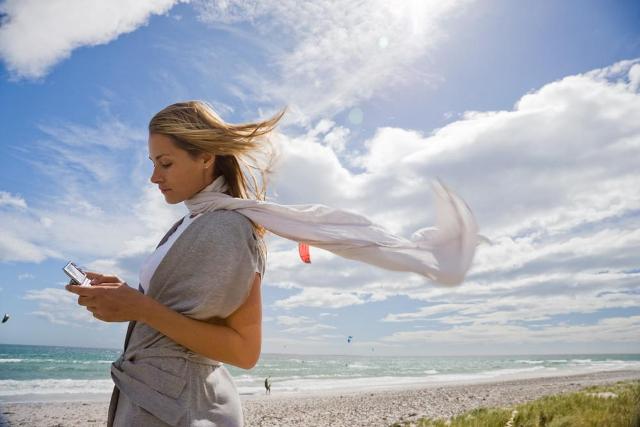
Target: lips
point(164, 190)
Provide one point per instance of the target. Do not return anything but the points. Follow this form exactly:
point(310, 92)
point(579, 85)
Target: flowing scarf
point(442, 253)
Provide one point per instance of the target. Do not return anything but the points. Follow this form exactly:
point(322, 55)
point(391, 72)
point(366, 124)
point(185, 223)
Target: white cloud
point(7, 199)
point(634, 77)
point(51, 296)
point(58, 306)
point(77, 151)
point(529, 298)
point(292, 320)
point(339, 52)
point(337, 139)
point(424, 312)
point(36, 35)
point(553, 183)
point(302, 325)
point(612, 329)
point(14, 247)
point(309, 330)
point(320, 297)
point(100, 208)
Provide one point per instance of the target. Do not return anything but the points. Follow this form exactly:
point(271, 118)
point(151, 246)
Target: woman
point(198, 304)
point(207, 268)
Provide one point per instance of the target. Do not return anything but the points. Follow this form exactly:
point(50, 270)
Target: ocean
point(45, 373)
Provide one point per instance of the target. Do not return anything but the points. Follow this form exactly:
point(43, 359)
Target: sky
point(530, 112)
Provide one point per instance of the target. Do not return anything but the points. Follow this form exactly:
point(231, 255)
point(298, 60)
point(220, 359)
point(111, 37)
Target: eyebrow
point(159, 155)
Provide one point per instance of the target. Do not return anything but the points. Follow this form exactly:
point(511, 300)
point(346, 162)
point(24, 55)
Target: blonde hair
point(195, 127)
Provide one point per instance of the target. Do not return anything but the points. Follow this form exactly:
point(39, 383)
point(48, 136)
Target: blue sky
point(529, 113)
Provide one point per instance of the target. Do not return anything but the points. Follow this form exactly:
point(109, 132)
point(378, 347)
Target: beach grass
point(615, 405)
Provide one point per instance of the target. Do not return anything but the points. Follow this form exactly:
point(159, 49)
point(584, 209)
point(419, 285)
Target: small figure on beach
point(5, 318)
point(267, 386)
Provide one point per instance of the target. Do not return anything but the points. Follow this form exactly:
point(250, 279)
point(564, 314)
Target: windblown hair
point(195, 127)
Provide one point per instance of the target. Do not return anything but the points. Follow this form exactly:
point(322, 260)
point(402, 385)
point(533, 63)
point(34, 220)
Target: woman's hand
point(109, 298)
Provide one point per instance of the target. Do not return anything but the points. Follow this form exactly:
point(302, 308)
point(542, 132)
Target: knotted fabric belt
point(152, 388)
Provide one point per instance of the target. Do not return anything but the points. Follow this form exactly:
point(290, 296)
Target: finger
point(101, 278)
point(80, 290)
point(83, 300)
point(96, 315)
point(104, 279)
point(106, 284)
point(72, 288)
point(72, 283)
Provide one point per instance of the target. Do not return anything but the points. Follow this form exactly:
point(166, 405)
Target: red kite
point(305, 256)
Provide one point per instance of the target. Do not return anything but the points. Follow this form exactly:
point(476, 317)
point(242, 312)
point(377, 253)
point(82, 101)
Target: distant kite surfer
point(5, 318)
point(267, 386)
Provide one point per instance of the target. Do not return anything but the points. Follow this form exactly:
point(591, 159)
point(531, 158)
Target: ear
point(208, 159)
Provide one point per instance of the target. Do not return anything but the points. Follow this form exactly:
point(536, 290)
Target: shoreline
point(379, 407)
point(338, 387)
point(428, 383)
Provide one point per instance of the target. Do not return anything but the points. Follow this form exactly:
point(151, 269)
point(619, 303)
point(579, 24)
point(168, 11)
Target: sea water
point(44, 373)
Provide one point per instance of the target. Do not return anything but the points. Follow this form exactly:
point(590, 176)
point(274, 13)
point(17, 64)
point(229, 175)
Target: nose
point(155, 176)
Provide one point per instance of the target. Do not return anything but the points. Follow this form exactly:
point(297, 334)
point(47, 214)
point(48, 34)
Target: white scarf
point(442, 253)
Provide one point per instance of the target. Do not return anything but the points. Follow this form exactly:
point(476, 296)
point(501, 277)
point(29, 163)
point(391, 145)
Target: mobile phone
point(76, 275)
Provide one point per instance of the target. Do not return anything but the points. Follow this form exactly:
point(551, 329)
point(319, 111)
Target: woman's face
point(178, 175)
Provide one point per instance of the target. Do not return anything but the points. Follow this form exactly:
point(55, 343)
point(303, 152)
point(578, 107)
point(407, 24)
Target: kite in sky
point(303, 250)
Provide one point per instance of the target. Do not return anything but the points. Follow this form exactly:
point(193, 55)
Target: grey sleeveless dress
point(207, 273)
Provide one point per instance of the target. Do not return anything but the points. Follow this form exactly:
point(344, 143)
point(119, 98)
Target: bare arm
point(236, 342)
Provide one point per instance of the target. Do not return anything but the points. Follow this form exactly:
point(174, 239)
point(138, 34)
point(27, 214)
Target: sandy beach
point(353, 408)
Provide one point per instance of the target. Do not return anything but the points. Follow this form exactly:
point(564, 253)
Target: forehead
point(159, 143)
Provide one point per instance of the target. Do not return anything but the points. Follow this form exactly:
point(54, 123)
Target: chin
point(173, 200)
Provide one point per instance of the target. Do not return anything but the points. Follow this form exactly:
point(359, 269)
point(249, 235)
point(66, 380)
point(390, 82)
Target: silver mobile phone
point(76, 275)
